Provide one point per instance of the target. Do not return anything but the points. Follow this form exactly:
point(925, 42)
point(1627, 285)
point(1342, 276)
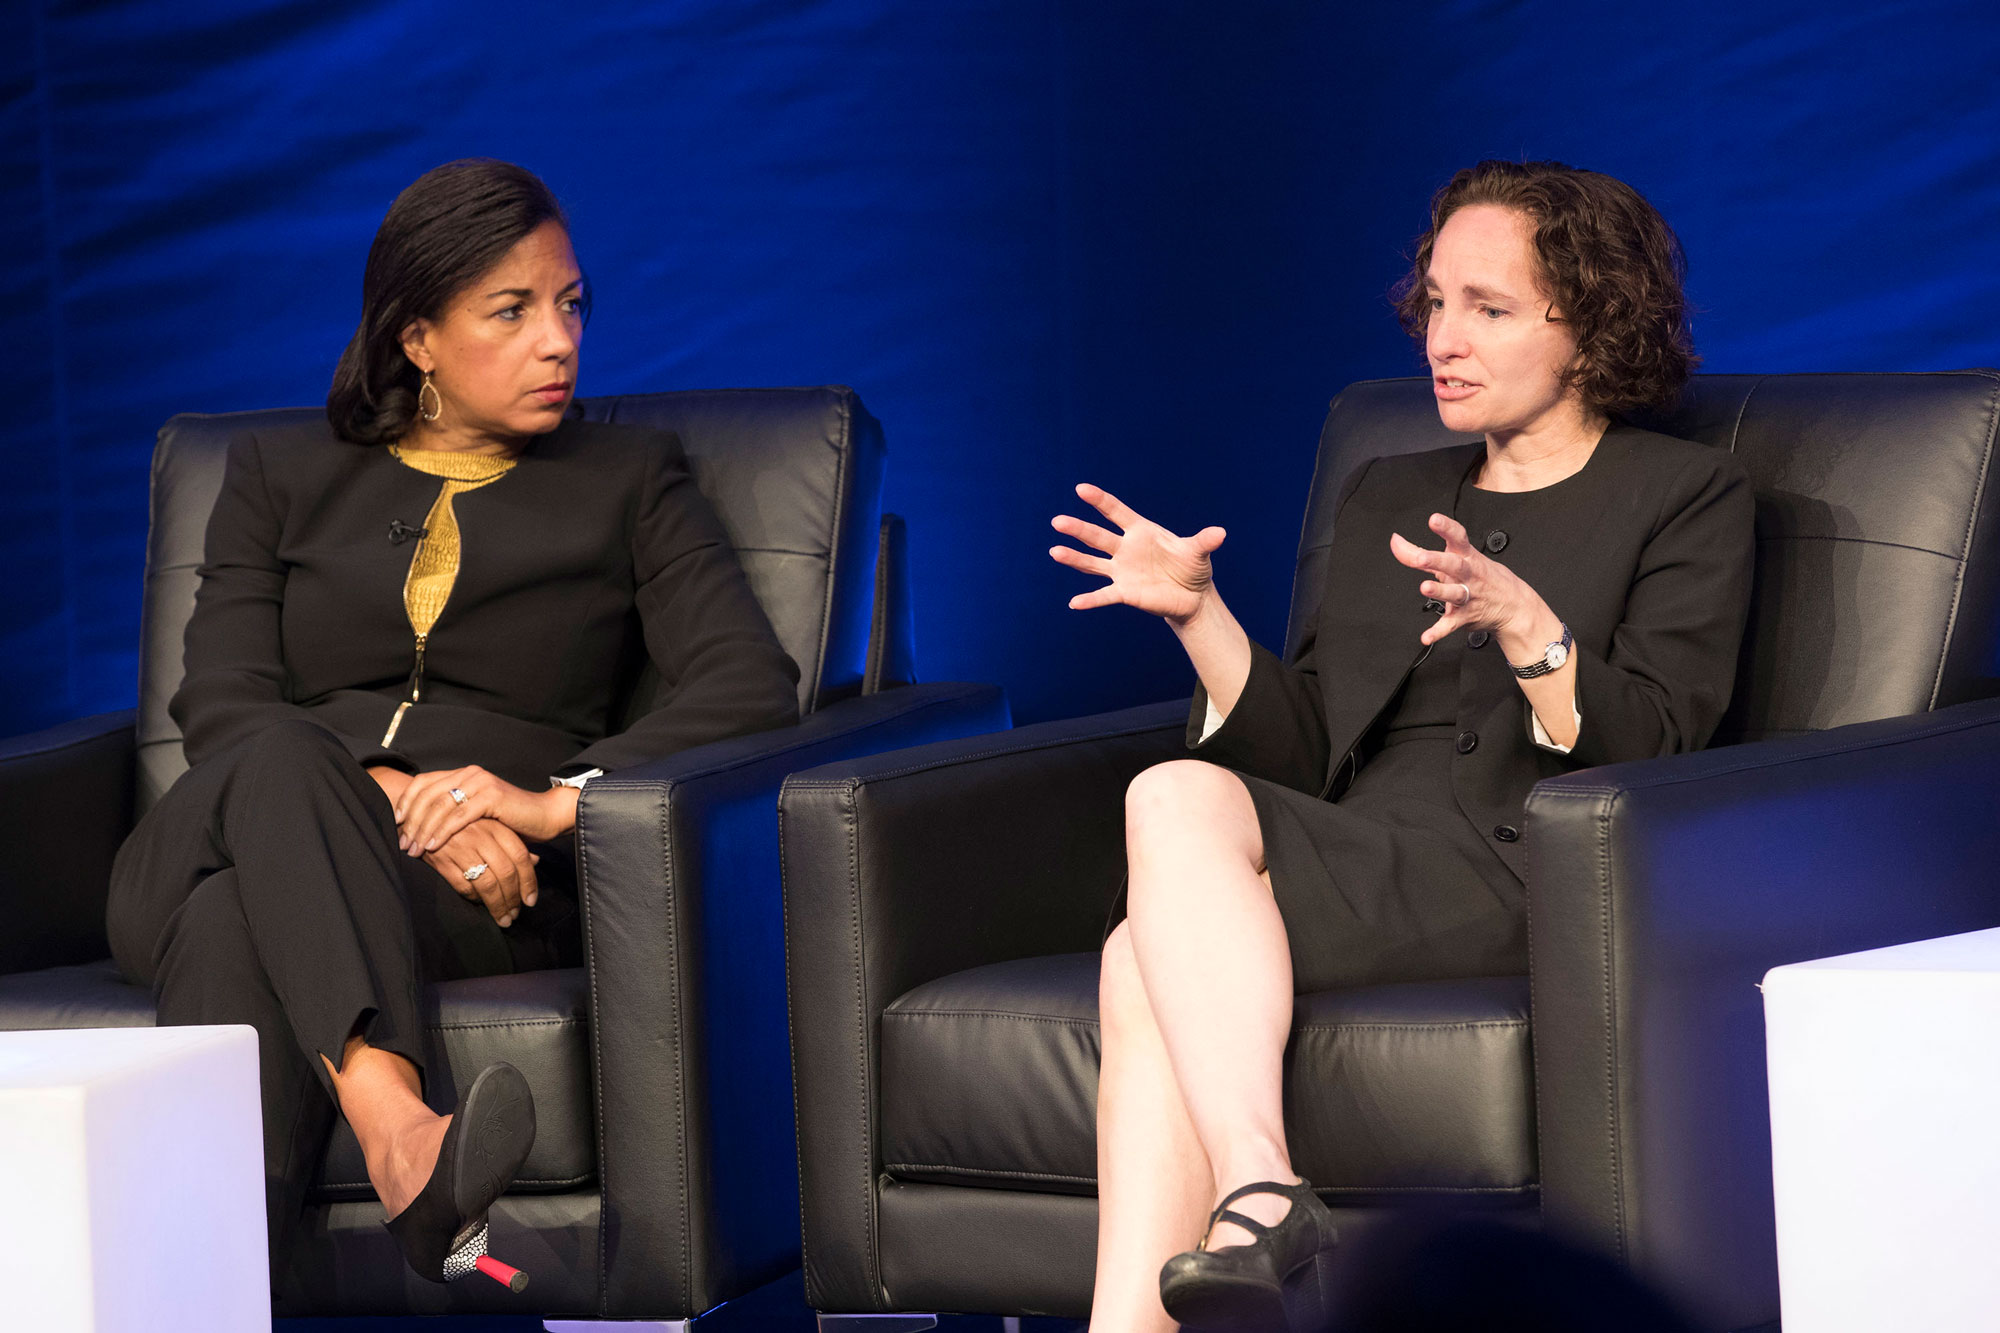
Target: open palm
point(1148, 567)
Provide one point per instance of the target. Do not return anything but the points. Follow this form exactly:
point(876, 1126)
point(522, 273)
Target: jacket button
point(1507, 833)
point(1468, 741)
point(1496, 541)
point(1476, 639)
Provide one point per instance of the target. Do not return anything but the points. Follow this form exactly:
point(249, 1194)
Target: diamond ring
point(474, 872)
point(457, 796)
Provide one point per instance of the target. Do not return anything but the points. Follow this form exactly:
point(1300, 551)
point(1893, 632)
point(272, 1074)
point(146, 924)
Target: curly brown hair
point(1608, 262)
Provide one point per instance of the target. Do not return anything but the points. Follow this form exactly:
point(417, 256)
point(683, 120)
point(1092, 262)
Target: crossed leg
point(1195, 1003)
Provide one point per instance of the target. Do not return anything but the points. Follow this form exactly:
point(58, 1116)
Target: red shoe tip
point(511, 1278)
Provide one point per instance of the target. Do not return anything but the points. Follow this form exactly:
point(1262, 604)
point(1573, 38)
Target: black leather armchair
point(944, 904)
point(662, 1180)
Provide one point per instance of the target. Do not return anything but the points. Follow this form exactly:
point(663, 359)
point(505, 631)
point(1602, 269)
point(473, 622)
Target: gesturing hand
point(430, 815)
point(507, 882)
point(1477, 592)
point(1149, 567)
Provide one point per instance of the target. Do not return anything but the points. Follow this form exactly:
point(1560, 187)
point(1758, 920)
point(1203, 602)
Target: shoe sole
point(493, 1141)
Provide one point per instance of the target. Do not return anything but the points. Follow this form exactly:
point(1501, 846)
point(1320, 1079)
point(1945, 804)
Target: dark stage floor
point(778, 1308)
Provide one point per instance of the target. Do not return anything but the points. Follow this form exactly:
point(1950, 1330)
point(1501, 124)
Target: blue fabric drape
point(1134, 244)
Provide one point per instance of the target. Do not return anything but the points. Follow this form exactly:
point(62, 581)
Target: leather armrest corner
point(65, 806)
point(1660, 893)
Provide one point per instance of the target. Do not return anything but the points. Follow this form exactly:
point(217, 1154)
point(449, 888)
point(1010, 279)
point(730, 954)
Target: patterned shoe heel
point(444, 1230)
point(472, 1257)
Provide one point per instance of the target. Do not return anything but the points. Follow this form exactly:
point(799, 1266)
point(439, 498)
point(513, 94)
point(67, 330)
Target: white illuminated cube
point(1885, 1137)
point(132, 1181)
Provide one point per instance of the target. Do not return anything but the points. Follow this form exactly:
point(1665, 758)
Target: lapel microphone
point(400, 532)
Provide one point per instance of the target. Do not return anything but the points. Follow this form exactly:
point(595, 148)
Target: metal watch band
point(1545, 666)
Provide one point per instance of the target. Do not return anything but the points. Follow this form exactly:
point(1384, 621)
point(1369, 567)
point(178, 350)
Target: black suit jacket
point(593, 556)
point(1653, 581)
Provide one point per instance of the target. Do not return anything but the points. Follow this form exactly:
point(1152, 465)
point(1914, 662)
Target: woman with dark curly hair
point(1353, 816)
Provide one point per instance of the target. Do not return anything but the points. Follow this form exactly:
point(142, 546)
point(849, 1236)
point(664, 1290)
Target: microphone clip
point(400, 532)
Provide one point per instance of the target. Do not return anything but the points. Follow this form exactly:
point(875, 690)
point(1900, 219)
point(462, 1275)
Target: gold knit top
point(434, 565)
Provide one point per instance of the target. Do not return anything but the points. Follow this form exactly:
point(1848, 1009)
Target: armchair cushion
point(989, 1077)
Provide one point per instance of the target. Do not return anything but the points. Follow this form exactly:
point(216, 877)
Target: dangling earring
point(436, 409)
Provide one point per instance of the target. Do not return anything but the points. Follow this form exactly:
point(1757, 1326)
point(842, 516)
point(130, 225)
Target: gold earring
point(437, 400)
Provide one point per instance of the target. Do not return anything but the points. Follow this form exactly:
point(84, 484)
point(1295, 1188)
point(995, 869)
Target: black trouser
point(266, 888)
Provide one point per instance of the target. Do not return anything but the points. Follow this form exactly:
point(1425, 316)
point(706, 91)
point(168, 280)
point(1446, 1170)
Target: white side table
point(1885, 1137)
point(132, 1181)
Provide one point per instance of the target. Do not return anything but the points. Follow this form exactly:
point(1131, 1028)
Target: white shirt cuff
point(1540, 735)
point(577, 780)
point(1211, 723)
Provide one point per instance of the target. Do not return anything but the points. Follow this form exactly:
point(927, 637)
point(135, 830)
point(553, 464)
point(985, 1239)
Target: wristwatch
point(1553, 657)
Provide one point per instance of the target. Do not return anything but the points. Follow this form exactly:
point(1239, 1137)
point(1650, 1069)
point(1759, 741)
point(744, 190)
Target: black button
point(1507, 833)
point(1496, 541)
point(1468, 741)
point(1476, 639)
point(1434, 606)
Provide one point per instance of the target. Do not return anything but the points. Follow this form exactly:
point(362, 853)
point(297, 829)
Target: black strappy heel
point(443, 1231)
point(1278, 1281)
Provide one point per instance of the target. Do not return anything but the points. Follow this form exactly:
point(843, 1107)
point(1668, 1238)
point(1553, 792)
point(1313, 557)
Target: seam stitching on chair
point(583, 807)
point(681, 1004)
point(1610, 1022)
point(1769, 538)
point(82, 742)
point(1965, 554)
point(792, 1047)
point(1742, 409)
point(1009, 1173)
point(1462, 1026)
point(841, 450)
point(999, 752)
point(871, 1258)
point(506, 1023)
point(1943, 728)
point(611, 780)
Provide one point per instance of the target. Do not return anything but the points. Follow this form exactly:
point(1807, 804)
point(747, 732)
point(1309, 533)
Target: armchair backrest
point(794, 474)
point(1877, 522)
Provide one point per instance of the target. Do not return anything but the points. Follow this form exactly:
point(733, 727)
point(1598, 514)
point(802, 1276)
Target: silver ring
point(457, 796)
point(474, 872)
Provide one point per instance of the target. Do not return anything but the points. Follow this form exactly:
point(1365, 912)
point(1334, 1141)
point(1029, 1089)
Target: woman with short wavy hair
point(1568, 590)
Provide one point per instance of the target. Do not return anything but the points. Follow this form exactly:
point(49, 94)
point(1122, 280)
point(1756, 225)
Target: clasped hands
point(491, 826)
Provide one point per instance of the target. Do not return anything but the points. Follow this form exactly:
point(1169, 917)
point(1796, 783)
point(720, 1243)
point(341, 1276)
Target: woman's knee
point(1183, 798)
point(294, 742)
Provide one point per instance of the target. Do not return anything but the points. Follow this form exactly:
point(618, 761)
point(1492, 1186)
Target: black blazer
point(594, 555)
point(1654, 583)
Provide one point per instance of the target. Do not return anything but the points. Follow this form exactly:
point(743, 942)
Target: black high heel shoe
point(443, 1231)
point(1277, 1281)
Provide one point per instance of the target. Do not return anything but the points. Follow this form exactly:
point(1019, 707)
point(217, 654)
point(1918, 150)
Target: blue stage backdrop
point(1139, 244)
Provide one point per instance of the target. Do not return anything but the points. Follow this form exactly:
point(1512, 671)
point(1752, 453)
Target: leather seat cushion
point(990, 1076)
point(536, 1021)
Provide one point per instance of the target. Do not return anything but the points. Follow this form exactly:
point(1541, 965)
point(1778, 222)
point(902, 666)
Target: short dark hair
point(1606, 259)
point(450, 225)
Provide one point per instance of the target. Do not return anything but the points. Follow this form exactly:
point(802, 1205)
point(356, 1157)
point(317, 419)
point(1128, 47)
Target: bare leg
point(1216, 965)
point(1154, 1188)
point(400, 1137)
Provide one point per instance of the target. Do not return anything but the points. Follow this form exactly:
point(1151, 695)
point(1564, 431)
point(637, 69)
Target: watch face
point(1556, 656)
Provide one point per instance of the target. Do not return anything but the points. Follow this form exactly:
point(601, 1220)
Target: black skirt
point(1392, 883)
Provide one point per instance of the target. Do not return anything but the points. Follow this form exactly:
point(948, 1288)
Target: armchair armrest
point(1659, 895)
point(65, 806)
point(914, 865)
point(677, 872)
